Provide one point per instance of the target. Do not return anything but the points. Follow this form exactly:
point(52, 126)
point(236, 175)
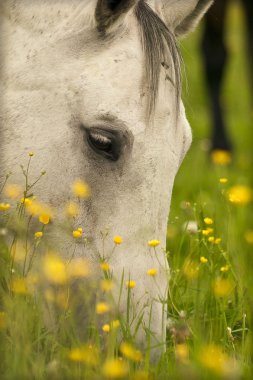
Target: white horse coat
point(72, 79)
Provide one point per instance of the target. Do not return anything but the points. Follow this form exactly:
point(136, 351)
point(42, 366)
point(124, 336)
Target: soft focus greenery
point(198, 193)
point(210, 251)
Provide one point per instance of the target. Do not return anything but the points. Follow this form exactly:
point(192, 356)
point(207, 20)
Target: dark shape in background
point(215, 56)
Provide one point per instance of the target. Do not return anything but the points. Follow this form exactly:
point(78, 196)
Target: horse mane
point(160, 49)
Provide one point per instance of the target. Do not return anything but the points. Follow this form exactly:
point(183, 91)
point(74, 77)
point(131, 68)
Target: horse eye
point(100, 142)
point(104, 143)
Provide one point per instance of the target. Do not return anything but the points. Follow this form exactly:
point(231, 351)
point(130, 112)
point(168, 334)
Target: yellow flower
point(117, 240)
point(81, 189)
point(222, 287)
point(240, 195)
point(38, 234)
point(223, 180)
point(38, 209)
point(221, 157)
point(130, 352)
point(225, 268)
point(115, 324)
point(130, 284)
point(154, 243)
point(106, 328)
point(44, 218)
point(208, 221)
point(26, 201)
point(115, 369)
point(214, 240)
point(106, 285)
point(72, 209)
point(78, 268)
point(55, 269)
point(4, 206)
point(31, 154)
point(19, 286)
point(207, 231)
point(182, 352)
point(76, 355)
point(77, 233)
point(213, 358)
point(203, 260)
point(12, 191)
point(87, 354)
point(102, 308)
point(249, 237)
point(105, 266)
point(152, 272)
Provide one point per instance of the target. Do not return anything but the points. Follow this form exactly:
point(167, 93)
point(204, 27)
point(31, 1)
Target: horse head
point(93, 88)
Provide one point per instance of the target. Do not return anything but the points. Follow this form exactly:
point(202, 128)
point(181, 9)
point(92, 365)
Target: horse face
point(75, 94)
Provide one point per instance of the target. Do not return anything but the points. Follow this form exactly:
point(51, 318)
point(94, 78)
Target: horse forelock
point(161, 50)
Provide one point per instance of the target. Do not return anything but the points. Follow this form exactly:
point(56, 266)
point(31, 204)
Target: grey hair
point(160, 49)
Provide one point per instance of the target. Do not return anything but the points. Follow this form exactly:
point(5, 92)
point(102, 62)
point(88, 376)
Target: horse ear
point(109, 11)
point(182, 16)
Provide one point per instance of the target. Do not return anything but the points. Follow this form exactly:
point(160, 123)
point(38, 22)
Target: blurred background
point(237, 107)
point(219, 185)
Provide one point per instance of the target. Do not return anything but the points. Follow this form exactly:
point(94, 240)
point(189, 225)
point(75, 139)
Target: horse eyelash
point(100, 138)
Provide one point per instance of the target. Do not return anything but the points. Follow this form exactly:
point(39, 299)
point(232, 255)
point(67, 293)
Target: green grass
point(210, 310)
point(198, 184)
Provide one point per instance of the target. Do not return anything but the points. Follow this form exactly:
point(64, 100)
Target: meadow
point(209, 249)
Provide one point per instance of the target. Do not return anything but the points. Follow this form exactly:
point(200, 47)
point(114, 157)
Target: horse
point(215, 56)
point(93, 88)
